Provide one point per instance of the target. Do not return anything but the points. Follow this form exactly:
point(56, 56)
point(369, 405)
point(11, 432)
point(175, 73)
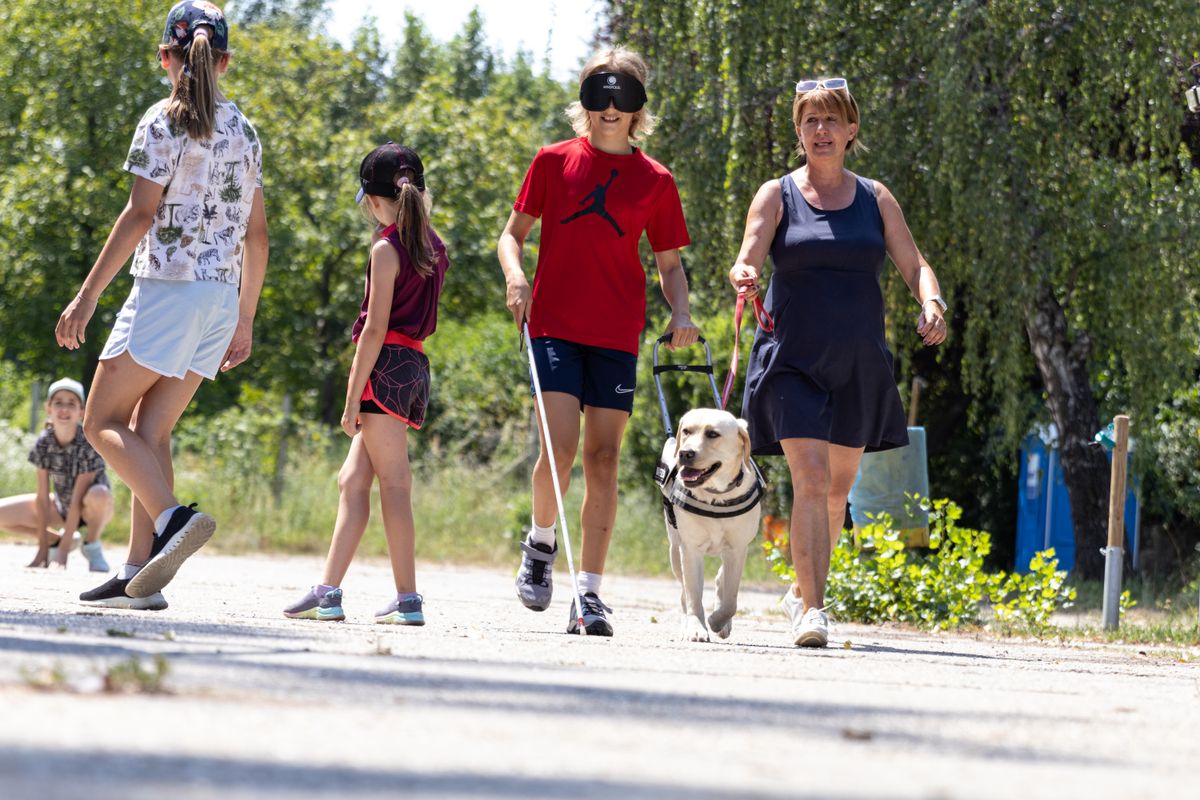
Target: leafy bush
point(17, 475)
point(877, 579)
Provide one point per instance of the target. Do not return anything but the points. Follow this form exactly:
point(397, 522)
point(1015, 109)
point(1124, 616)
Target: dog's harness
point(675, 494)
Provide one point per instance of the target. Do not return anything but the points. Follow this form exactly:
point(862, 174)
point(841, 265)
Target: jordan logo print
point(596, 198)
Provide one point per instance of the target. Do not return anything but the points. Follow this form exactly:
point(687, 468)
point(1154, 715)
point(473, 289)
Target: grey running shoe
point(809, 628)
point(112, 594)
point(187, 531)
point(535, 580)
point(326, 609)
point(594, 620)
point(401, 612)
point(95, 557)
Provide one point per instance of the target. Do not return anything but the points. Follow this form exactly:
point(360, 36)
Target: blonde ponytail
point(193, 102)
point(412, 226)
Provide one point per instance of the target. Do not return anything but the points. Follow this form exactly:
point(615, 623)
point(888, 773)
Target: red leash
point(764, 321)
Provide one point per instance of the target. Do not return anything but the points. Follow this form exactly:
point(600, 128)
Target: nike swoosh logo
point(622, 390)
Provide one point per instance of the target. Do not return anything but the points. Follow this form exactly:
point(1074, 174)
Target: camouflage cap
point(184, 18)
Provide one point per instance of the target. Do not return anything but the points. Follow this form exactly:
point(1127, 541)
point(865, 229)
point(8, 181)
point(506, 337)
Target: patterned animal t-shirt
point(198, 231)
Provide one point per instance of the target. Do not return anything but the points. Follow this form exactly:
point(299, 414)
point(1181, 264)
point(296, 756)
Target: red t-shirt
point(590, 285)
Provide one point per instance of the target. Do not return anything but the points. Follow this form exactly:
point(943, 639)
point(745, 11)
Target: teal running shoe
point(401, 612)
point(326, 609)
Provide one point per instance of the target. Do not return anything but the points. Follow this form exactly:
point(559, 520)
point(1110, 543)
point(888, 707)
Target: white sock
point(160, 522)
point(590, 582)
point(128, 571)
point(322, 589)
point(540, 535)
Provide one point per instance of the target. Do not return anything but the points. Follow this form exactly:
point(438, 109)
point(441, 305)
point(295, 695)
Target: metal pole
point(1113, 554)
point(281, 455)
point(35, 406)
point(1049, 497)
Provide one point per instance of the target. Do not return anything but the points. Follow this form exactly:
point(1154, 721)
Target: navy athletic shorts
point(599, 376)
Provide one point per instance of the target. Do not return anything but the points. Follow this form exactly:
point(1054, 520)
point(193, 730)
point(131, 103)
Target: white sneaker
point(809, 628)
point(95, 558)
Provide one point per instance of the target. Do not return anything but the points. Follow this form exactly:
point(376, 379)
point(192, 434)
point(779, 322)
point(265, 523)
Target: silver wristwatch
point(937, 298)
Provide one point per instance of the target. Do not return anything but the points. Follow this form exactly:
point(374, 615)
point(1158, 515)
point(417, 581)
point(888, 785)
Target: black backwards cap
point(377, 174)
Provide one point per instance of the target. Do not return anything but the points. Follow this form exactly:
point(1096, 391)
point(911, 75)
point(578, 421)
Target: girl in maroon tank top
point(388, 388)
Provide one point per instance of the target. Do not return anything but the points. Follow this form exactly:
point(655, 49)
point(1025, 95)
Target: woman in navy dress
point(819, 386)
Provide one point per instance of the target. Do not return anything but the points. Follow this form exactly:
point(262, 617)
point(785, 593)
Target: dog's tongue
point(690, 473)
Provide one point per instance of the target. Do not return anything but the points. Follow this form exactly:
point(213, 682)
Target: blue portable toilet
point(1044, 509)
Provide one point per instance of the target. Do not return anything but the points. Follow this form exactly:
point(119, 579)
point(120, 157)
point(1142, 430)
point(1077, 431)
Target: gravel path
point(491, 700)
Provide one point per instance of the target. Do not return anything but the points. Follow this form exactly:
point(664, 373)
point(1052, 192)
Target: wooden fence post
point(1113, 554)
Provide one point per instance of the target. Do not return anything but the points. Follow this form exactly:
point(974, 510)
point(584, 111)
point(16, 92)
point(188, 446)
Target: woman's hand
point(350, 422)
point(931, 325)
point(682, 330)
point(517, 297)
point(72, 323)
point(744, 278)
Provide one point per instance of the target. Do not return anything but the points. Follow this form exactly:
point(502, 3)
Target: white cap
point(66, 385)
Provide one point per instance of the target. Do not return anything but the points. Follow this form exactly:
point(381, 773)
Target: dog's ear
point(744, 438)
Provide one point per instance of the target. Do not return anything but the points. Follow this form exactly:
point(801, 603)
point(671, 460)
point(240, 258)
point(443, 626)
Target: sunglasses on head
point(624, 91)
point(828, 83)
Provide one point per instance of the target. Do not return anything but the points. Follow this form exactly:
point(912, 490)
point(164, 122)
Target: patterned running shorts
point(399, 385)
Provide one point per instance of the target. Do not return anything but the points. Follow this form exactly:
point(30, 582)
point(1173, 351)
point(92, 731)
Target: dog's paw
point(721, 627)
point(693, 629)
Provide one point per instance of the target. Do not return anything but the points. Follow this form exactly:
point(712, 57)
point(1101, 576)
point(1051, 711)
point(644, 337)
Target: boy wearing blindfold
point(596, 195)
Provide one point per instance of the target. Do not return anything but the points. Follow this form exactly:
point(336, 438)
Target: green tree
point(416, 59)
point(73, 94)
point(1037, 151)
point(472, 62)
point(313, 103)
point(306, 13)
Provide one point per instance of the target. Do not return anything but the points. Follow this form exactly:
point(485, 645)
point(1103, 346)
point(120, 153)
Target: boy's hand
point(40, 561)
point(682, 330)
point(517, 296)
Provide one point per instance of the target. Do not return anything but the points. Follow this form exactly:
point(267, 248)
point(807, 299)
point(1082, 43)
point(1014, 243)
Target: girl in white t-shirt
point(197, 231)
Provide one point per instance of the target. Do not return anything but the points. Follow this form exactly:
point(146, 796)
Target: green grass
point(465, 513)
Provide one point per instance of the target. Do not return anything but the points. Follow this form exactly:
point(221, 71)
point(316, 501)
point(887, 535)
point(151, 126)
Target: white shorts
point(176, 327)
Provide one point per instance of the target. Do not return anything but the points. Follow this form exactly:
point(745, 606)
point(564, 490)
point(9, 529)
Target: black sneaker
point(112, 594)
point(535, 577)
point(594, 621)
point(186, 532)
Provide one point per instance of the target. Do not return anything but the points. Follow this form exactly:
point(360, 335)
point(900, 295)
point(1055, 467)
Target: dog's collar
point(675, 494)
point(736, 482)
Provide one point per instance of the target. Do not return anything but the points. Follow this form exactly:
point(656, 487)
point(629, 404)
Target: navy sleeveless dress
point(825, 371)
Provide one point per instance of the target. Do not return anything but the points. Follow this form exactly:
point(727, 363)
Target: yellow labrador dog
point(711, 492)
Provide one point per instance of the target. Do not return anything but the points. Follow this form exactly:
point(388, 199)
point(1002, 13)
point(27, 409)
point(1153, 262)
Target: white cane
point(562, 515)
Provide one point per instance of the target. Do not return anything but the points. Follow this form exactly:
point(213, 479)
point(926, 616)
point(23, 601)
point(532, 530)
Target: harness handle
point(764, 321)
point(705, 368)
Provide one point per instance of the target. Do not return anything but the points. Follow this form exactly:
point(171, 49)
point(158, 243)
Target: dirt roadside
point(491, 700)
